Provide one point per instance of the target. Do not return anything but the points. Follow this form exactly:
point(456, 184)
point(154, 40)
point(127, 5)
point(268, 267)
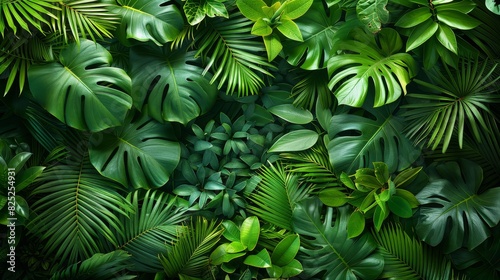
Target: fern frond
point(233, 54)
point(189, 256)
point(406, 257)
point(276, 195)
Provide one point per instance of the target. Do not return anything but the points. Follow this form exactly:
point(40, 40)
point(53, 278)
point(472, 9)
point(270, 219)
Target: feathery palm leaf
point(26, 14)
point(77, 209)
point(99, 266)
point(462, 97)
point(276, 195)
point(189, 256)
point(18, 53)
point(313, 165)
point(406, 257)
point(233, 54)
point(84, 19)
point(150, 230)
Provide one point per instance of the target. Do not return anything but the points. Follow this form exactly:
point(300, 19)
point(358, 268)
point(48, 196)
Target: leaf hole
point(108, 160)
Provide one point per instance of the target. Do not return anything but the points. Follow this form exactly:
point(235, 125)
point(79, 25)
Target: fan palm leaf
point(77, 208)
point(99, 266)
point(150, 230)
point(276, 196)
point(85, 19)
point(462, 97)
point(406, 257)
point(233, 54)
point(189, 256)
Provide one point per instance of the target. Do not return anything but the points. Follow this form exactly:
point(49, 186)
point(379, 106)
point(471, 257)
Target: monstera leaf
point(329, 249)
point(169, 84)
point(357, 141)
point(366, 59)
point(159, 21)
point(81, 89)
point(372, 13)
point(452, 207)
point(318, 32)
point(140, 153)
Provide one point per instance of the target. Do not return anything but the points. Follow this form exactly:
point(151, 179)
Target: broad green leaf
point(381, 172)
point(80, 89)
point(421, 33)
point(261, 28)
point(414, 18)
point(252, 9)
point(372, 13)
point(18, 161)
point(292, 114)
point(452, 212)
point(318, 31)
point(399, 206)
point(140, 154)
point(409, 197)
point(231, 231)
point(260, 260)
point(457, 19)
point(22, 208)
point(379, 216)
point(296, 140)
point(389, 72)
point(158, 21)
point(286, 250)
point(273, 46)
point(406, 176)
point(216, 8)
point(249, 232)
point(26, 177)
point(355, 224)
point(464, 6)
point(296, 8)
point(333, 197)
point(169, 84)
point(235, 247)
point(373, 139)
point(290, 29)
point(194, 10)
point(220, 255)
point(328, 249)
point(347, 181)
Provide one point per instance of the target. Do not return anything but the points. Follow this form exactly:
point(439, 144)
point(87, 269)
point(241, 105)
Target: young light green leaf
point(290, 29)
point(273, 46)
point(252, 9)
point(381, 172)
point(249, 232)
point(421, 34)
point(347, 181)
point(296, 8)
point(261, 260)
point(292, 114)
point(355, 224)
point(297, 140)
point(292, 269)
point(231, 231)
point(399, 206)
point(261, 28)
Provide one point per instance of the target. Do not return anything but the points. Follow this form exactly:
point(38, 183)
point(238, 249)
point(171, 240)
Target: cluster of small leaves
point(374, 194)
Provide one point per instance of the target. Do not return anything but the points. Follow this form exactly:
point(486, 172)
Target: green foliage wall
point(250, 139)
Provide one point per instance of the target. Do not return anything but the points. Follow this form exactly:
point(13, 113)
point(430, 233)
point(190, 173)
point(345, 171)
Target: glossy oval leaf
point(333, 197)
point(260, 260)
point(140, 154)
point(355, 224)
point(297, 140)
point(249, 232)
point(399, 206)
point(286, 250)
point(159, 21)
point(170, 84)
point(296, 8)
point(457, 19)
point(81, 89)
point(292, 114)
point(292, 269)
point(414, 18)
point(421, 33)
point(27, 177)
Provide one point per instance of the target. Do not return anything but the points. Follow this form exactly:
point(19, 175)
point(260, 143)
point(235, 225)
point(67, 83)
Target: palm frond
point(99, 266)
point(233, 54)
point(150, 230)
point(313, 165)
point(406, 257)
point(77, 208)
point(18, 53)
point(313, 84)
point(189, 256)
point(461, 101)
point(25, 14)
point(85, 19)
point(185, 35)
point(276, 195)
